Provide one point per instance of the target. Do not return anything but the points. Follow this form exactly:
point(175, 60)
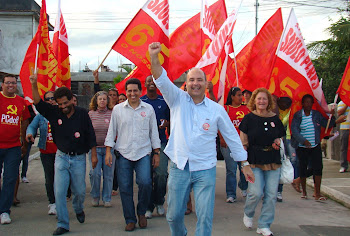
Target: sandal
point(321, 199)
point(188, 211)
point(296, 187)
point(304, 197)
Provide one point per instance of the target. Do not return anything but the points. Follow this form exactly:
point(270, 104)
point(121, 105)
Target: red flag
point(46, 61)
point(344, 87)
point(135, 73)
point(344, 93)
point(138, 74)
point(150, 24)
point(255, 60)
point(185, 41)
point(293, 74)
point(214, 61)
point(60, 48)
point(207, 24)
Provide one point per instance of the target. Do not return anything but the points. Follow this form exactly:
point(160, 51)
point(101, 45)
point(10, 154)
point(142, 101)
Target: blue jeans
point(25, 161)
point(160, 177)
point(180, 183)
point(95, 176)
point(126, 169)
point(69, 169)
point(231, 179)
point(266, 184)
point(292, 154)
point(10, 159)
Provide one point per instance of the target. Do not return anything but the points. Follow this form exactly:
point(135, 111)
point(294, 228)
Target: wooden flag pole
point(330, 117)
point(104, 59)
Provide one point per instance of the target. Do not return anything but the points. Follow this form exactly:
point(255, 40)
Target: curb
point(34, 156)
point(332, 193)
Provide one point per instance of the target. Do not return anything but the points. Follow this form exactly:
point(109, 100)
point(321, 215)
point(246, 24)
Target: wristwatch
point(158, 153)
point(243, 164)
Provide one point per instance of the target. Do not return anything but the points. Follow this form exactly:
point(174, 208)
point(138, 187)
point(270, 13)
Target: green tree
point(331, 56)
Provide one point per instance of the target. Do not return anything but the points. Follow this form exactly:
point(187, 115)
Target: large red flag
point(150, 24)
point(214, 60)
point(255, 60)
point(344, 87)
point(344, 93)
point(60, 48)
point(185, 41)
point(46, 61)
point(293, 74)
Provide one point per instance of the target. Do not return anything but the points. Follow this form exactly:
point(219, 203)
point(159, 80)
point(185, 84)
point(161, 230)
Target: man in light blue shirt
point(195, 122)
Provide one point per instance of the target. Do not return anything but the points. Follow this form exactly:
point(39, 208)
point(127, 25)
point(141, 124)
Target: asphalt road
point(294, 216)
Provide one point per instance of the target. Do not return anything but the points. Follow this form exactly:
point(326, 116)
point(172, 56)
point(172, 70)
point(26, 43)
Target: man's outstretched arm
point(156, 68)
point(35, 92)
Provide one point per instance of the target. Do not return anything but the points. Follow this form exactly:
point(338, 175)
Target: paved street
point(294, 216)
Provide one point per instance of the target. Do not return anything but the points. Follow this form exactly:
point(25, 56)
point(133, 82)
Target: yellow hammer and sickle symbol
point(240, 114)
point(12, 110)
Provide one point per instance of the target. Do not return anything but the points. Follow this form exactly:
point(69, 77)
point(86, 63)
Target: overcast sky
point(93, 26)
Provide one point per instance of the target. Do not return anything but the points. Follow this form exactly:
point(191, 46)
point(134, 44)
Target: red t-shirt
point(12, 111)
point(236, 114)
point(50, 145)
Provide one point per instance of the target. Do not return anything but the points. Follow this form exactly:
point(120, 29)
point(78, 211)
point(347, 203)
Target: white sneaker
point(264, 231)
point(52, 209)
point(5, 218)
point(244, 193)
point(25, 180)
point(230, 200)
point(160, 210)
point(342, 170)
point(148, 214)
point(95, 202)
point(279, 197)
point(248, 222)
point(107, 204)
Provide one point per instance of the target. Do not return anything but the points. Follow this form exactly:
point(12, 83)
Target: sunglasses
point(49, 98)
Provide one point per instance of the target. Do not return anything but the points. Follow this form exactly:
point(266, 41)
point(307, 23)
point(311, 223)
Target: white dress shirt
point(136, 130)
point(194, 128)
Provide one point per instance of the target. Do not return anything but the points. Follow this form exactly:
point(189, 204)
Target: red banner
point(60, 48)
point(150, 24)
point(214, 60)
point(185, 41)
point(255, 60)
point(46, 61)
point(135, 73)
point(344, 87)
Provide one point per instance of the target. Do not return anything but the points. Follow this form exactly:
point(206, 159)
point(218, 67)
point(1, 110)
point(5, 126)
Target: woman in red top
point(236, 111)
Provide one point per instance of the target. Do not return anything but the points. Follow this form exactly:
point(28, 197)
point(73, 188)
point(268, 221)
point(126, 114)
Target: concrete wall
point(16, 33)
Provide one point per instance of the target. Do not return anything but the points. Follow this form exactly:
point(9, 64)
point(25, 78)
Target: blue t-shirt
point(162, 112)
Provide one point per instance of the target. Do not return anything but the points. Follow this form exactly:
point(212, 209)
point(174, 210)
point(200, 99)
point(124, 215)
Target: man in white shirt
point(134, 124)
point(195, 122)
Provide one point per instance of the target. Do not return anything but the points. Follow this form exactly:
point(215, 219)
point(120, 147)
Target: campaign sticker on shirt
point(206, 126)
point(106, 120)
point(143, 114)
point(59, 122)
point(272, 124)
point(77, 134)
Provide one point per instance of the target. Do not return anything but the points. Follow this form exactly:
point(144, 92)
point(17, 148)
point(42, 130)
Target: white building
point(19, 20)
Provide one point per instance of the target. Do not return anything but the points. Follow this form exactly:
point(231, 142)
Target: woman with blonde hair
point(100, 115)
point(261, 133)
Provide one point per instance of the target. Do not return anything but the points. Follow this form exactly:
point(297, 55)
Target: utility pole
point(256, 17)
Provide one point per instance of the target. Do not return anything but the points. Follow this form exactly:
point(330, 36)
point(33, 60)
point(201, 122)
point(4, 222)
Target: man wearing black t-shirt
point(74, 136)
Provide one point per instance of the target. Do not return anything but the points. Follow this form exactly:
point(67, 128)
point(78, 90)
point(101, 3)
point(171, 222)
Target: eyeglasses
point(8, 82)
point(49, 98)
